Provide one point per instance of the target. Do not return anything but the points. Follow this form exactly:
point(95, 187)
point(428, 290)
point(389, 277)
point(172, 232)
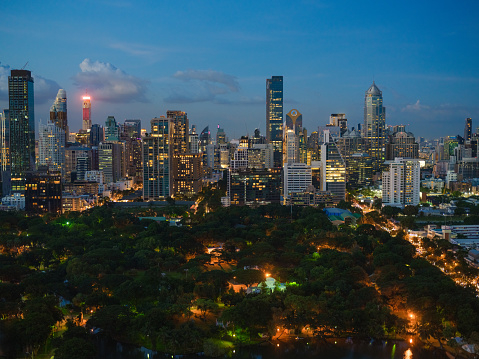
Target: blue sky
point(139, 59)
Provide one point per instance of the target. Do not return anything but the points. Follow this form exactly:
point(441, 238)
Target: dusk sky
point(139, 59)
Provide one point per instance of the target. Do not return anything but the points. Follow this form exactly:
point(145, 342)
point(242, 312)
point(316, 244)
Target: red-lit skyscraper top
point(86, 123)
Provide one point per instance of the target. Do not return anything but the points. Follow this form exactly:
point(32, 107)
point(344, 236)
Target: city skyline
point(215, 65)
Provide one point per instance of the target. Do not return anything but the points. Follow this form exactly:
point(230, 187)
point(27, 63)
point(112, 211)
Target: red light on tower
point(86, 118)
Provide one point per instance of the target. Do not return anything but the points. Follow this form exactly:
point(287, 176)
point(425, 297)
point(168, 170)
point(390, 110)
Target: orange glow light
point(86, 97)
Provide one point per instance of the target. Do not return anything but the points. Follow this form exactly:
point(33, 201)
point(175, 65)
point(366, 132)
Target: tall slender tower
point(22, 126)
point(274, 117)
point(86, 122)
point(373, 130)
point(58, 112)
point(468, 129)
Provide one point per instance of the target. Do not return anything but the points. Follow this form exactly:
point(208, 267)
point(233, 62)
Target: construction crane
point(23, 68)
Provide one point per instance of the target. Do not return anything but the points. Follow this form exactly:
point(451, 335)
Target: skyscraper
point(373, 130)
point(468, 129)
point(22, 126)
point(86, 115)
point(58, 112)
point(156, 160)
point(112, 130)
point(401, 183)
point(294, 121)
point(4, 154)
point(274, 117)
point(51, 147)
point(333, 170)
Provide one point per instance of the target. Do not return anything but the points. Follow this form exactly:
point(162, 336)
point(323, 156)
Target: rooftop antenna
point(23, 68)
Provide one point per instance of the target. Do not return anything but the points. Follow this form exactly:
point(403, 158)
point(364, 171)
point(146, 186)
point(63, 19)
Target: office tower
point(86, 114)
point(401, 144)
point(274, 117)
point(468, 129)
point(359, 170)
point(22, 127)
point(254, 187)
point(257, 138)
point(43, 192)
point(373, 131)
point(401, 183)
point(339, 120)
point(97, 135)
point(109, 158)
point(194, 142)
point(156, 160)
point(294, 121)
point(333, 169)
point(132, 128)
point(112, 130)
point(297, 178)
point(220, 136)
point(58, 112)
point(72, 153)
point(291, 147)
point(51, 147)
point(185, 167)
point(180, 127)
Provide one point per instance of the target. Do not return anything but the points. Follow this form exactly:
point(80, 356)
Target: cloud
point(110, 84)
point(203, 86)
point(44, 89)
point(415, 107)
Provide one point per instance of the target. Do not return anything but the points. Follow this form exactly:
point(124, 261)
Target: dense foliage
point(156, 285)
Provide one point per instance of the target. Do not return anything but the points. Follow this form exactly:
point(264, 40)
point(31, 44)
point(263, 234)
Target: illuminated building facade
point(402, 144)
point(109, 161)
point(58, 112)
point(468, 129)
point(254, 187)
point(187, 174)
point(294, 121)
point(43, 192)
point(86, 113)
point(401, 184)
point(333, 169)
point(22, 127)
point(373, 131)
point(5, 184)
point(297, 178)
point(156, 160)
point(112, 130)
point(274, 117)
point(51, 147)
point(359, 170)
point(72, 153)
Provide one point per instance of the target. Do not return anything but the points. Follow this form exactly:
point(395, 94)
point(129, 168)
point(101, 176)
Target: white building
point(401, 184)
point(297, 178)
point(51, 147)
point(14, 201)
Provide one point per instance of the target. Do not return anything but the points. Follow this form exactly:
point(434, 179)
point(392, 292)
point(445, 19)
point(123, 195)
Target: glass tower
point(274, 117)
point(22, 127)
point(86, 113)
point(373, 130)
point(58, 112)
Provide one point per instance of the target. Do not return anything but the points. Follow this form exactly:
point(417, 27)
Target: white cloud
point(110, 84)
point(203, 86)
point(415, 107)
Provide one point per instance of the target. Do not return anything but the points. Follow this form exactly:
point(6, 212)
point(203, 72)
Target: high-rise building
point(109, 158)
point(291, 147)
point(373, 131)
point(43, 192)
point(51, 147)
point(58, 112)
point(220, 136)
point(179, 136)
point(86, 114)
point(132, 128)
point(254, 187)
point(112, 130)
point(468, 129)
point(22, 127)
point(297, 178)
point(156, 160)
point(274, 117)
point(401, 184)
point(402, 144)
point(97, 135)
point(294, 121)
point(339, 120)
point(333, 169)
